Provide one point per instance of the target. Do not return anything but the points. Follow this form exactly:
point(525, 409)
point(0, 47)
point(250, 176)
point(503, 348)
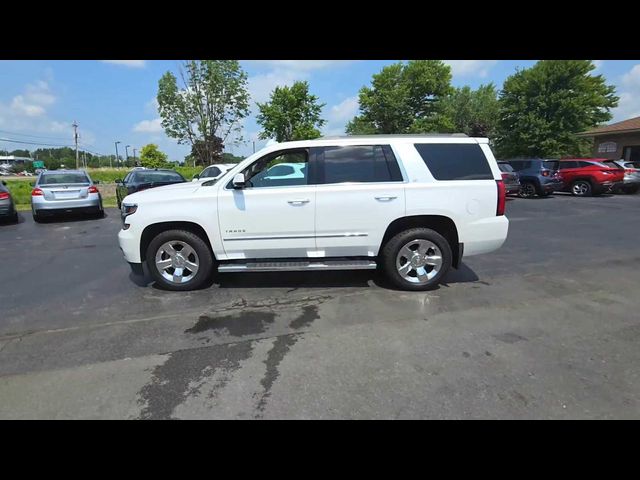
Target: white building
point(12, 159)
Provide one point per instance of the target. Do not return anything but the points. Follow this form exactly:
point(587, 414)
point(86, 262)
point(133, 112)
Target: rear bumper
point(41, 205)
point(484, 236)
point(6, 208)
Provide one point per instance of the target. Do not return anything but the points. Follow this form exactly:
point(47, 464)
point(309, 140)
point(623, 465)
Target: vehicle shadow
point(293, 280)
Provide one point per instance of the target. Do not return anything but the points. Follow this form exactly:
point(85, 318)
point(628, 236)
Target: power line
point(34, 143)
point(33, 136)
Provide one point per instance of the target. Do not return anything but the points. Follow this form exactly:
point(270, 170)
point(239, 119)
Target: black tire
point(37, 218)
point(581, 188)
point(631, 190)
point(527, 190)
point(204, 257)
point(392, 248)
point(100, 213)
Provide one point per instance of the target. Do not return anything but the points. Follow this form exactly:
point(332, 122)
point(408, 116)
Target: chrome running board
point(278, 266)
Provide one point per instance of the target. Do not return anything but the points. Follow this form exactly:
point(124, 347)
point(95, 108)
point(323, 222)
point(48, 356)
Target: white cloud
point(471, 68)
point(629, 88)
point(598, 64)
point(261, 86)
point(27, 111)
point(127, 63)
point(149, 126)
point(300, 65)
point(338, 115)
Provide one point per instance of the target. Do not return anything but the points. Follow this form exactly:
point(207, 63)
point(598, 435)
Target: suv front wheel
point(416, 259)
point(179, 260)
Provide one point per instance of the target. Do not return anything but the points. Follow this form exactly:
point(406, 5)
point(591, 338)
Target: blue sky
point(115, 100)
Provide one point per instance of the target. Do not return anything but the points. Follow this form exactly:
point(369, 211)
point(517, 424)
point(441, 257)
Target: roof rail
point(395, 135)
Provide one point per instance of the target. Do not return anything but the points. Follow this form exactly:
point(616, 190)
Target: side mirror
point(4, 183)
point(239, 181)
point(96, 182)
point(33, 184)
point(196, 176)
point(118, 180)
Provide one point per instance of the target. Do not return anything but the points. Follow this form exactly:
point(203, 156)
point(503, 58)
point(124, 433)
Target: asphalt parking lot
point(546, 327)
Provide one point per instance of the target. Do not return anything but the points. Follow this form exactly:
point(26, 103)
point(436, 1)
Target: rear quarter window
point(455, 161)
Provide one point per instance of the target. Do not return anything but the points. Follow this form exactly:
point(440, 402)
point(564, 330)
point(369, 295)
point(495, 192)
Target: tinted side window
point(453, 161)
point(260, 173)
point(210, 172)
point(565, 165)
point(586, 164)
point(359, 163)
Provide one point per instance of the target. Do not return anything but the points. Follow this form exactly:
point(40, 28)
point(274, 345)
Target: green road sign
point(38, 164)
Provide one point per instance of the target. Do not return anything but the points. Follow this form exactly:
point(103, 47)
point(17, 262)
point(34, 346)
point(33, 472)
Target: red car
point(584, 177)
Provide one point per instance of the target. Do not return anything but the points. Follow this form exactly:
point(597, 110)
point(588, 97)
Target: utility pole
point(126, 149)
point(117, 157)
point(134, 158)
point(75, 137)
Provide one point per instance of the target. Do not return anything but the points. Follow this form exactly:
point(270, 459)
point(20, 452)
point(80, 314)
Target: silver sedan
point(65, 191)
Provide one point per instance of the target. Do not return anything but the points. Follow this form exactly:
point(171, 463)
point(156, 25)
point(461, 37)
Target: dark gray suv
point(538, 176)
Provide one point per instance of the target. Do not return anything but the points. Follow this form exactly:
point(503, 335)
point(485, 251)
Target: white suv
point(411, 205)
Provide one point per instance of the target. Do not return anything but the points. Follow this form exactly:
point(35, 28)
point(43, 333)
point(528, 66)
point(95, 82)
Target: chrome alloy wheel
point(177, 262)
point(527, 190)
point(579, 188)
point(419, 261)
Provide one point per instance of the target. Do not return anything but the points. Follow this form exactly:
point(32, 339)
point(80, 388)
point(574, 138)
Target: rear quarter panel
point(471, 204)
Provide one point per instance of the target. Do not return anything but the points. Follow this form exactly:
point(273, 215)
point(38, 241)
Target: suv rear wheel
point(416, 259)
point(179, 260)
point(581, 188)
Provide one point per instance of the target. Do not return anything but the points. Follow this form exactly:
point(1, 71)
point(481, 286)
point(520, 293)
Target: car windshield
point(612, 164)
point(157, 177)
point(632, 165)
point(62, 178)
point(551, 165)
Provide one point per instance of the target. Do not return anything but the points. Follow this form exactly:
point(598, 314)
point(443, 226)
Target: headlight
point(127, 209)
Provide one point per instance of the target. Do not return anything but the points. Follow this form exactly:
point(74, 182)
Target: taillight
point(93, 189)
point(505, 175)
point(4, 196)
point(545, 173)
point(502, 198)
point(36, 192)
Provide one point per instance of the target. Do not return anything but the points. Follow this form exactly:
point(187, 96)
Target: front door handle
point(298, 202)
point(386, 198)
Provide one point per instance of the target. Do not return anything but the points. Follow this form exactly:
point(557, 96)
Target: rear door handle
point(298, 202)
point(386, 198)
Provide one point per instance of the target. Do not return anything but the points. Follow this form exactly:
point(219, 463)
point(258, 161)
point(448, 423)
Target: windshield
point(632, 165)
point(62, 178)
point(551, 165)
point(157, 177)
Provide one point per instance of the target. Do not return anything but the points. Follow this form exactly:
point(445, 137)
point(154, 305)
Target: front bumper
point(130, 245)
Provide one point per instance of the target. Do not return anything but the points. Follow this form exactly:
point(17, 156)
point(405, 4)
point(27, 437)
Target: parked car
point(143, 179)
point(538, 176)
point(510, 178)
point(7, 206)
point(412, 205)
point(214, 171)
point(631, 181)
point(65, 191)
point(584, 177)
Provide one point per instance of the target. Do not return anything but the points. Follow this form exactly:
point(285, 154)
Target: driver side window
point(279, 169)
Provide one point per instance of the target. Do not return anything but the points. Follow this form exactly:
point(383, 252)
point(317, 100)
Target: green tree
point(291, 113)
point(474, 112)
point(543, 107)
point(152, 157)
point(210, 103)
point(405, 98)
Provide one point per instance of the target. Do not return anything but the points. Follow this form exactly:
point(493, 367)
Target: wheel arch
point(154, 229)
point(442, 224)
